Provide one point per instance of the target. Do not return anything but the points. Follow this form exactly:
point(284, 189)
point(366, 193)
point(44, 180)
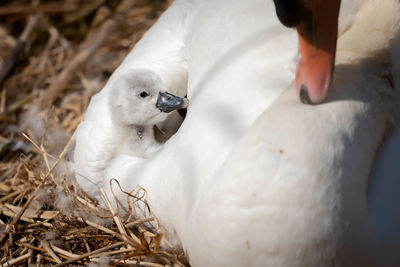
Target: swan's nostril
point(304, 97)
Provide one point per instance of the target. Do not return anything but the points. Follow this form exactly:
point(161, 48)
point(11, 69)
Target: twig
point(8, 213)
point(98, 251)
point(4, 187)
point(131, 224)
point(20, 103)
point(16, 218)
point(38, 148)
point(48, 249)
point(43, 152)
point(3, 97)
point(44, 8)
point(32, 214)
point(17, 260)
point(131, 241)
point(86, 50)
point(33, 247)
point(35, 224)
point(133, 262)
point(46, 161)
point(86, 203)
point(14, 56)
point(63, 252)
point(39, 260)
point(54, 36)
point(120, 251)
point(61, 156)
point(102, 228)
point(114, 214)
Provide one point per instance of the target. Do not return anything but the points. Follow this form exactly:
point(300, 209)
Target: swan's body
point(253, 177)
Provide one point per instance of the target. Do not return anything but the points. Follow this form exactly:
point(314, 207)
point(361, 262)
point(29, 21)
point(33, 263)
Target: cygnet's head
point(139, 98)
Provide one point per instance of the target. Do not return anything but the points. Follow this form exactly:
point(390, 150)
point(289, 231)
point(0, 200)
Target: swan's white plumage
point(292, 191)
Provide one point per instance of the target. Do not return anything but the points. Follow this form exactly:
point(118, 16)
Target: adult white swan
point(292, 192)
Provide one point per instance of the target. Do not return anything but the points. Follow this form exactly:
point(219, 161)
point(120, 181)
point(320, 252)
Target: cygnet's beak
point(167, 102)
point(317, 33)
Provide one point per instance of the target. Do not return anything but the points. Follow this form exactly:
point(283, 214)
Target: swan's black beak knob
point(304, 97)
point(167, 102)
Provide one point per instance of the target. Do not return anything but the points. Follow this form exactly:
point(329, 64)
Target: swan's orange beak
point(317, 33)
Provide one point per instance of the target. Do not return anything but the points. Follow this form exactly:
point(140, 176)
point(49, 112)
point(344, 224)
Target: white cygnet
point(119, 124)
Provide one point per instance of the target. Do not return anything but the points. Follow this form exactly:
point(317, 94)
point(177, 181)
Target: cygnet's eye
point(143, 94)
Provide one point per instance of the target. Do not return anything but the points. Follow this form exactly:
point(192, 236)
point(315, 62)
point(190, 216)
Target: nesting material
point(69, 50)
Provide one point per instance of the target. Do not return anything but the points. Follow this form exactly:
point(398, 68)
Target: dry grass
point(54, 56)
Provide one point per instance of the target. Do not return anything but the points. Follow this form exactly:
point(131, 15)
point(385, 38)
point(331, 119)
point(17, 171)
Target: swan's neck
point(140, 132)
point(361, 40)
point(139, 140)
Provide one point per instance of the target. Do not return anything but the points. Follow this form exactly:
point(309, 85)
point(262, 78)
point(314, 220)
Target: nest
point(54, 55)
